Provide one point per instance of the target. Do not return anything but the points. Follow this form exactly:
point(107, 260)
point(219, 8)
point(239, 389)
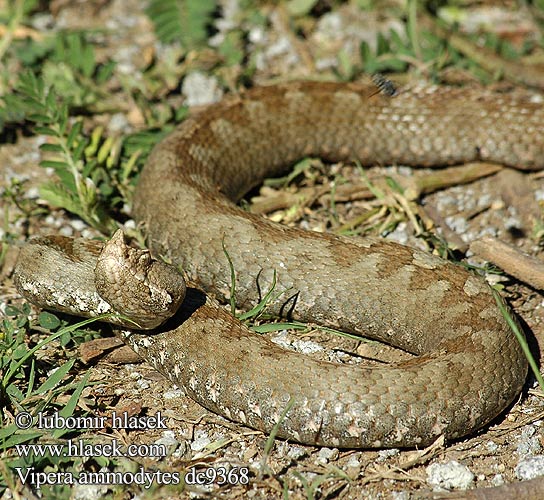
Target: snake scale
point(469, 366)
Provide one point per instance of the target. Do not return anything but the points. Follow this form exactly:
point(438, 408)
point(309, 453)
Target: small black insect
point(385, 86)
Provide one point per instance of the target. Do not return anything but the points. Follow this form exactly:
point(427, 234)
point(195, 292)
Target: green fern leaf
point(185, 21)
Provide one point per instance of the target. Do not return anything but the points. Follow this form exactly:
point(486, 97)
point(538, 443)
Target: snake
point(468, 365)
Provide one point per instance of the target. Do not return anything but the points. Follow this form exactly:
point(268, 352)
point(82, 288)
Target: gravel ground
point(510, 449)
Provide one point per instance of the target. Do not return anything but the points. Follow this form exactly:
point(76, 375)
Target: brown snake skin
point(469, 366)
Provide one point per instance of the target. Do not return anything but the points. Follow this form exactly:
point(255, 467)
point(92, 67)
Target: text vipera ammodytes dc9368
point(470, 366)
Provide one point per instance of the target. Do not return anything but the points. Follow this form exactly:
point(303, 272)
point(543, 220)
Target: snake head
point(144, 290)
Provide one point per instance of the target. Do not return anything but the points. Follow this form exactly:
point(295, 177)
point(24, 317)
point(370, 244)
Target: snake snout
point(144, 290)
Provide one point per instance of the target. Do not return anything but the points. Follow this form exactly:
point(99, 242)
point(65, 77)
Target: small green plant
point(184, 21)
point(77, 192)
point(14, 16)
point(29, 386)
point(96, 174)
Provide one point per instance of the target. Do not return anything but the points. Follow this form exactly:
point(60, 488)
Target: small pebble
point(327, 454)
point(492, 446)
point(168, 438)
point(296, 452)
point(173, 394)
point(497, 480)
point(200, 89)
point(531, 467)
point(383, 455)
point(529, 443)
point(450, 475)
point(201, 441)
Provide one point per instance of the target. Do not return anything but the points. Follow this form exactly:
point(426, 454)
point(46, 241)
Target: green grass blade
point(521, 338)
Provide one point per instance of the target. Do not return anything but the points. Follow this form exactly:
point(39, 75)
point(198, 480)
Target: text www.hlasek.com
point(80, 448)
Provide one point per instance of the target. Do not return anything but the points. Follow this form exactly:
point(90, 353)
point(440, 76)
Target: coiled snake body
point(470, 367)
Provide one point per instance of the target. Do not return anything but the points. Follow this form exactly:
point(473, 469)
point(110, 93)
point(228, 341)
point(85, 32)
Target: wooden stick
point(511, 260)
